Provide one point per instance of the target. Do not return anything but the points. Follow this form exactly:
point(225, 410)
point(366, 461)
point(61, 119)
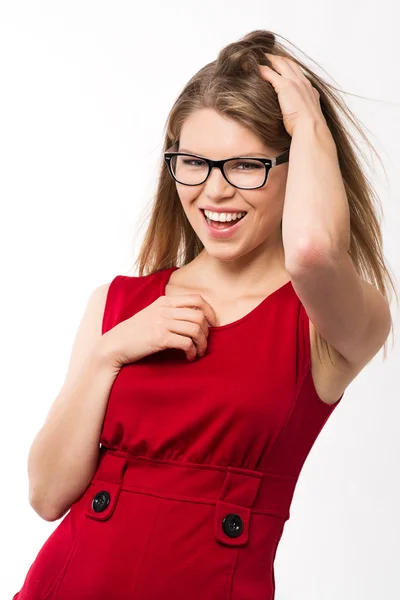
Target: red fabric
point(185, 446)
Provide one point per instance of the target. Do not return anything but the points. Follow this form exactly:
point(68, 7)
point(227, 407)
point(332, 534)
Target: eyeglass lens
point(244, 173)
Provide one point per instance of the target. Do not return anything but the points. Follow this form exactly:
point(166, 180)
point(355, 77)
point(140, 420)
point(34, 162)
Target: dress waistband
point(235, 492)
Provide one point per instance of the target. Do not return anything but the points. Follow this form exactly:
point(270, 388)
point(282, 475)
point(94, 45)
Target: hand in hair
point(298, 98)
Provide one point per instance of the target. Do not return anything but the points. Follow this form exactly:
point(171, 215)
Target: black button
point(232, 525)
point(101, 501)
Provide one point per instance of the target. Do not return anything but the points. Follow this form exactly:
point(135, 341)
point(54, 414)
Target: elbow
point(307, 259)
point(308, 252)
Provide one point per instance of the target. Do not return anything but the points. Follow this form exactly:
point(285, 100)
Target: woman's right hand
point(180, 322)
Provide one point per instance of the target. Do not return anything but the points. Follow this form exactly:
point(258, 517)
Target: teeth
point(214, 216)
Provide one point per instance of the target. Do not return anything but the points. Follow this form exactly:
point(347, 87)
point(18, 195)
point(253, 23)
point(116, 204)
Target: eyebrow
point(243, 154)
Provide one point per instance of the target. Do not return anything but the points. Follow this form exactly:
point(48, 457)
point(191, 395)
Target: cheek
point(268, 209)
point(276, 194)
point(280, 180)
point(187, 198)
point(186, 195)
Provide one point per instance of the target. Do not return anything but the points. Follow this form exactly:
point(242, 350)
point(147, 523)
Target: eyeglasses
point(243, 172)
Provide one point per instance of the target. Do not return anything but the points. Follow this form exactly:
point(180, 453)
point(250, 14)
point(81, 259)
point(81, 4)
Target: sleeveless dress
point(198, 463)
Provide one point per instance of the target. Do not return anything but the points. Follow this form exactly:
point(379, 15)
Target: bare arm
point(64, 454)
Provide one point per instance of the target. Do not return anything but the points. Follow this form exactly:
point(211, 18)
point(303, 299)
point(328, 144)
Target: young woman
point(196, 389)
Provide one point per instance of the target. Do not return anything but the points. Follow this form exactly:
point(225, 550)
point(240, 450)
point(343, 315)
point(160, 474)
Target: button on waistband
point(232, 524)
point(101, 501)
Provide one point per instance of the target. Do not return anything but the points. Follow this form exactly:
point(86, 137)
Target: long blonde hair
point(232, 86)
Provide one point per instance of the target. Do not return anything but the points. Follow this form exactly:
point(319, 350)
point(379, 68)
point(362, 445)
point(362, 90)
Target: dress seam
point(289, 416)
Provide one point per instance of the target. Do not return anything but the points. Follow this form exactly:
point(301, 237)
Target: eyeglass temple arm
point(282, 158)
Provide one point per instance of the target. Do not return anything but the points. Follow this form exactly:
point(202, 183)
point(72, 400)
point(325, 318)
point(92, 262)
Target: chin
point(227, 254)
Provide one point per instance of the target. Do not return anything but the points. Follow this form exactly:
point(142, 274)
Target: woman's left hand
point(298, 98)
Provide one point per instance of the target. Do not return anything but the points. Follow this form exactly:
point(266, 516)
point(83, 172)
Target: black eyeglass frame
point(269, 163)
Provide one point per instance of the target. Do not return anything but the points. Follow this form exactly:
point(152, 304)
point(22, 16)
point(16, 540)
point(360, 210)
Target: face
point(208, 134)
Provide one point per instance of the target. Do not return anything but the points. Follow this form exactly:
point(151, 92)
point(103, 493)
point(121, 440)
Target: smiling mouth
point(222, 224)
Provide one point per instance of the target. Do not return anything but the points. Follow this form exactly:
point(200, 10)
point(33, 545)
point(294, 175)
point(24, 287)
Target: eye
point(190, 161)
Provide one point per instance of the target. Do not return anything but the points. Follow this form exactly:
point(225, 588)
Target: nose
point(216, 182)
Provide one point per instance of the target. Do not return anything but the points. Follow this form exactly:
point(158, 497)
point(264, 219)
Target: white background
point(85, 91)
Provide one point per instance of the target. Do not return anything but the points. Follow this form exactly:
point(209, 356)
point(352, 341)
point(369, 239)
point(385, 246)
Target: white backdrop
point(85, 90)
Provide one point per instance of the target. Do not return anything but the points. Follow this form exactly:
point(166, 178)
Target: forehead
point(209, 134)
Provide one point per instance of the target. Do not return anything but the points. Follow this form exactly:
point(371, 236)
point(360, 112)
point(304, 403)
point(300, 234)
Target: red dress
point(198, 463)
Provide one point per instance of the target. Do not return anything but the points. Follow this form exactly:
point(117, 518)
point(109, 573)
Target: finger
point(272, 76)
point(175, 341)
point(188, 329)
point(209, 313)
point(194, 301)
point(282, 65)
point(186, 314)
point(289, 63)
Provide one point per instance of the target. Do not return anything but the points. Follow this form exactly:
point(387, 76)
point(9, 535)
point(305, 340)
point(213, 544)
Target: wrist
point(314, 126)
point(105, 351)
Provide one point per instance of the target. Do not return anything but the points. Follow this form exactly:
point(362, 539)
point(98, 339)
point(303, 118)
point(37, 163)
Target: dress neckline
point(276, 293)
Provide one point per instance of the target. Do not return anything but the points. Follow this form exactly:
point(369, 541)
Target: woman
point(211, 381)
